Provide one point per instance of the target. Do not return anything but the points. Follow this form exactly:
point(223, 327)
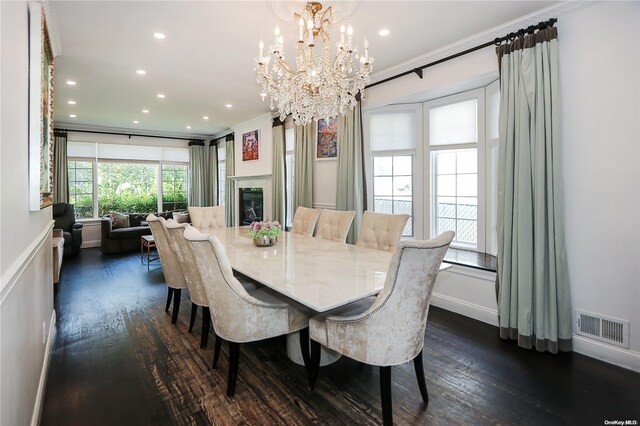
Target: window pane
point(402, 165)
point(467, 161)
point(127, 188)
point(401, 185)
point(382, 186)
point(467, 231)
point(446, 207)
point(382, 166)
point(467, 185)
point(174, 186)
point(446, 185)
point(408, 228)
point(383, 205)
point(454, 123)
point(80, 175)
point(467, 208)
point(402, 205)
point(445, 163)
point(445, 225)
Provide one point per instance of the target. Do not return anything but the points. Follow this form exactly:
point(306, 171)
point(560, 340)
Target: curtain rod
point(509, 37)
point(123, 134)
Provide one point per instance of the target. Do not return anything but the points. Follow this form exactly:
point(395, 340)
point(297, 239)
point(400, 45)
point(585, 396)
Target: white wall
point(264, 164)
point(26, 287)
point(600, 81)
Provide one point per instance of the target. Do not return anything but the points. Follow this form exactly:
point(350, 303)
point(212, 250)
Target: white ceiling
point(206, 60)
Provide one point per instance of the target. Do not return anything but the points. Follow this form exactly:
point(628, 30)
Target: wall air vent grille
point(605, 329)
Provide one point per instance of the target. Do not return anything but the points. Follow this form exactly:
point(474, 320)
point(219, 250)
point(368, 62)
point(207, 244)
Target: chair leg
point(422, 384)
point(216, 351)
point(194, 311)
point(176, 304)
point(234, 360)
point(315, 363)
point(385, 394)
point(304, 348)
point(169, 295)
point(206, 321)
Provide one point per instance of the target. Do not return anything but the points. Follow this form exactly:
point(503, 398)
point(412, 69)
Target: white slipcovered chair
point(240, 316)
point(334, 225)
point(304, 221)
point(381, 231)
point(207, 219)
point(171, 268)
point(391, 331)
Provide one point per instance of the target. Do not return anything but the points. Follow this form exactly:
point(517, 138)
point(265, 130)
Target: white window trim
point(491, 184)
point(428, 206)
point(417, 167)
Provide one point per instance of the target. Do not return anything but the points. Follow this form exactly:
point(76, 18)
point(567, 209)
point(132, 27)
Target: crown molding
point(52, 26)
point(133, 132)
point(554, 11)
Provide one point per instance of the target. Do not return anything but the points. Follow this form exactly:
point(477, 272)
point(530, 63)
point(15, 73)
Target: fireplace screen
point(251, 205)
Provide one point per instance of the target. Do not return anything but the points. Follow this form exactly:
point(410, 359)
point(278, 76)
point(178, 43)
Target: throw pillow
point(181, 217)
point(119, 220)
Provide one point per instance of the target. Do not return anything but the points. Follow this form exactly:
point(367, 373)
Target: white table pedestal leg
point(327, 356)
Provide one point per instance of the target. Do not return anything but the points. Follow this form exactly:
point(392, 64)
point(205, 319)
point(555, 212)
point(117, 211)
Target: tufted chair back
point(334, 225)
point(170, 264)
point(175, 235)
point(207, 219)
point(304, 221)
point(391, 331)
point(381, 231)
point(237, 315)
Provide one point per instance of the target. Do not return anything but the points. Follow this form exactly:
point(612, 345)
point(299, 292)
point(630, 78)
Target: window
point(127, 187)
point(222, 172)
point(81, 187)
point(395, 168)
point(392, 187)
point(174, 187)
point(289, 137)
point(455, 144)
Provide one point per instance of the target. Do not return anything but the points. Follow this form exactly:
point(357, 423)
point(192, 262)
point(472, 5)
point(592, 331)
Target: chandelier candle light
point(318, 87)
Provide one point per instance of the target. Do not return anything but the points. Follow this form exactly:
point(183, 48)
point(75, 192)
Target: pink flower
point(268, 226)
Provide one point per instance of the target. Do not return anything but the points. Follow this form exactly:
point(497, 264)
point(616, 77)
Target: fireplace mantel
point(249, 177)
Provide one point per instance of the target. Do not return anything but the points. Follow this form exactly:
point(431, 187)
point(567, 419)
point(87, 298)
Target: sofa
point(65, 219)
point(123, 239)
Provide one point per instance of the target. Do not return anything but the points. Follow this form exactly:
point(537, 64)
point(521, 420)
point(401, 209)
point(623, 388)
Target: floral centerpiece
point(264, 234)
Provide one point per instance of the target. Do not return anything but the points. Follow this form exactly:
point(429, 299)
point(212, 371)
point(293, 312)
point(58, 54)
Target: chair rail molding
point(15, 271)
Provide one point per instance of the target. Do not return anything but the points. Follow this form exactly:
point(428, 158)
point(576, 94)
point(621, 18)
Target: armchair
point(65, 219)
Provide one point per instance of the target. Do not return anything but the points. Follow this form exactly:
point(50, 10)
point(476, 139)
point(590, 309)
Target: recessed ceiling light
point(159, 36)
point(146, 111)
point(71, 82)
point(188, 127)
point(205, 118)
point(160, 95)
point(71, 102)
point(383, 32)
point(228, 105)
point(141, 72)
point(72, 115)
point(135, 121)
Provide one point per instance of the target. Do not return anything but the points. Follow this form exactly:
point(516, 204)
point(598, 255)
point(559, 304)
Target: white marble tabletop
point(319, 274)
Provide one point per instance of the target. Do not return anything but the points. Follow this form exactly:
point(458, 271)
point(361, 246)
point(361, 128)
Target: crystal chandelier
point(318, 86)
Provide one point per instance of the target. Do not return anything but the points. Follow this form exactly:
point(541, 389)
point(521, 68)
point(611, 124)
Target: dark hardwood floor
point(117, 360)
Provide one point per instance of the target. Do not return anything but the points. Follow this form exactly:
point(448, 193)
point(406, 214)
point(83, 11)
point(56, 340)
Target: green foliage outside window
point(127, 188)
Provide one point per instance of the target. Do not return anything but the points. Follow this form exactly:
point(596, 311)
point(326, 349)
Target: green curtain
point(60, 174)
point(350, 191)
point(303, 169)
point(230, 196)
point(197, 174)
point(278, 195)
point(533, 285)
point(212, 189)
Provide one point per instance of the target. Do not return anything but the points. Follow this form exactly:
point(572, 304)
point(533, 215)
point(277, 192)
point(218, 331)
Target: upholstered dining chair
point(240, 316)
point(391, 331)
point(207, 219)
point(171, 268)
point(304, 221)
point(175, 235)
point(334, 225)
point(381, 231)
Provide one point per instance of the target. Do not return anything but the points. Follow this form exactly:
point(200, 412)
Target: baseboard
point(37, 408)
point(462, 307)
point(90, 244)
point(611, 354)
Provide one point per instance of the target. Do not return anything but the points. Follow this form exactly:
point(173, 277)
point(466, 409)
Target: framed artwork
point(327, 141)
point(250, 146)
point(41, 73)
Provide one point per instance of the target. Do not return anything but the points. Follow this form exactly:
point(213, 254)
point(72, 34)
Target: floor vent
point(605, 329)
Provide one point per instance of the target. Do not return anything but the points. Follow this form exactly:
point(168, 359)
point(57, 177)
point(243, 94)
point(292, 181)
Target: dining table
point(319, 274)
